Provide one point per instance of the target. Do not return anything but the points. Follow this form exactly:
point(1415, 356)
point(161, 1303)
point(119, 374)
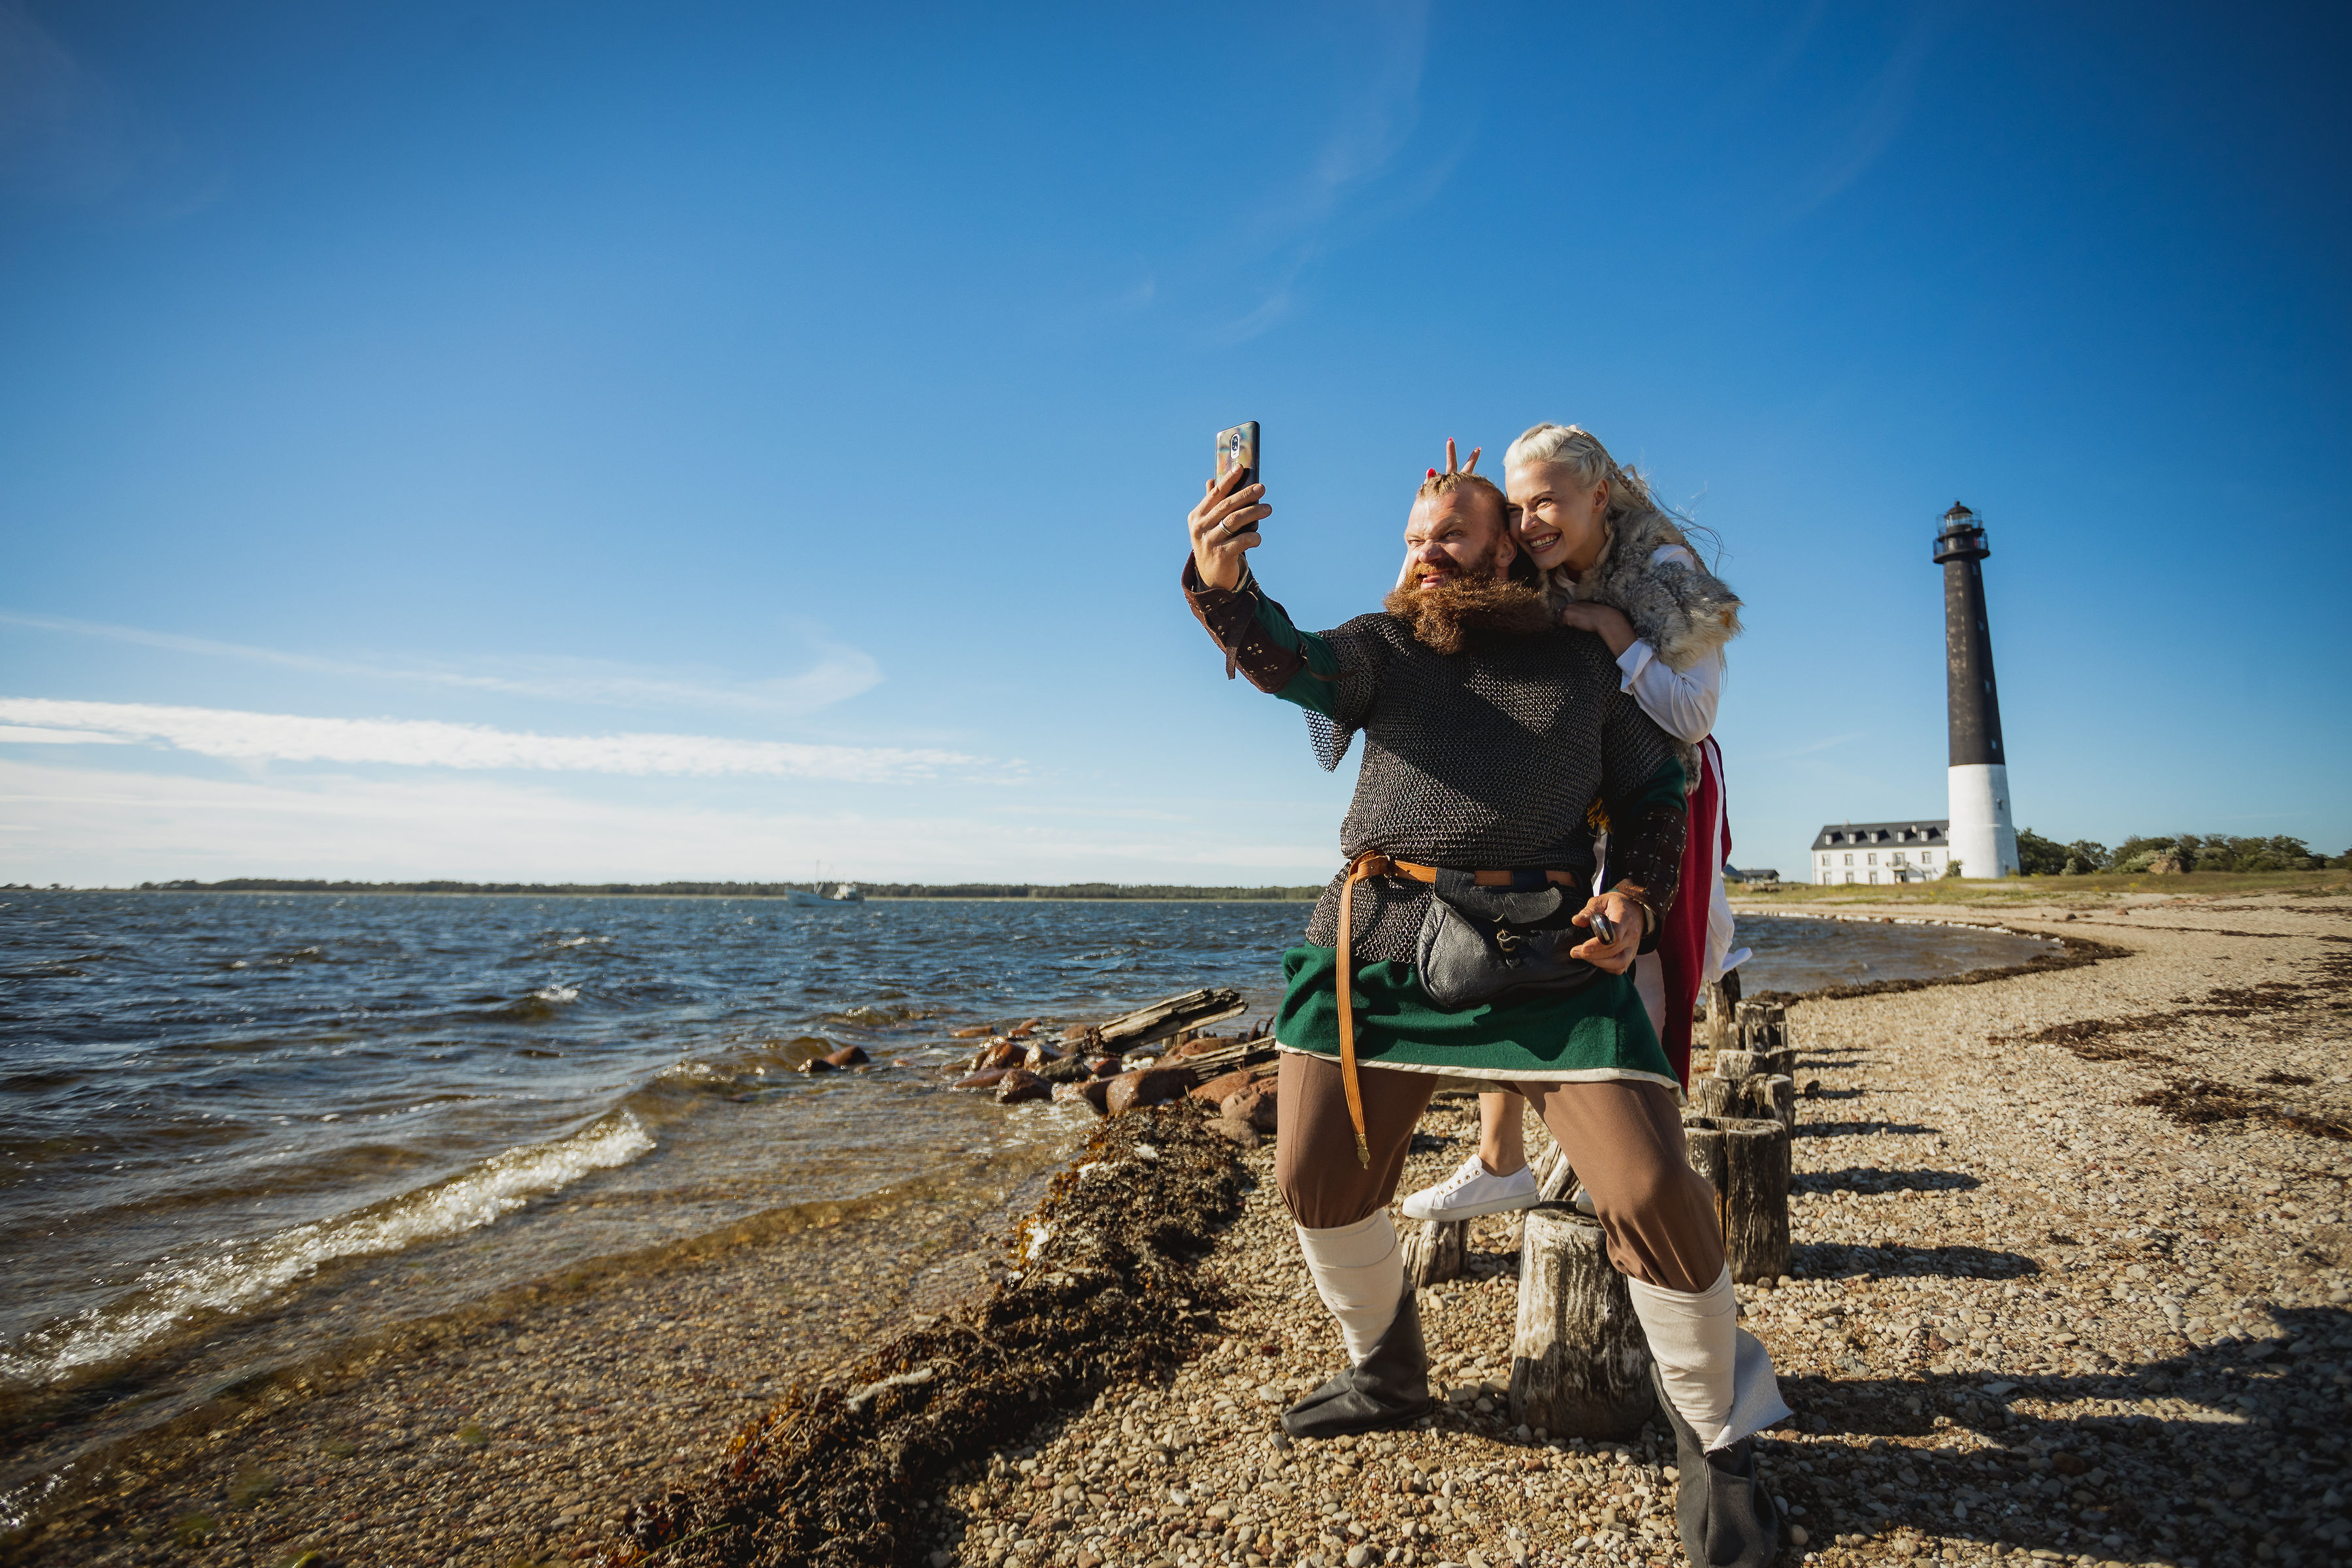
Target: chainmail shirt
point(1490, 759)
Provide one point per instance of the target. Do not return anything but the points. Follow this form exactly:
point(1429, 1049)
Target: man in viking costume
point(1492, 737)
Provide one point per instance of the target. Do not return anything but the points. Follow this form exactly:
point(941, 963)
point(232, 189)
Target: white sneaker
point(1471, 1192)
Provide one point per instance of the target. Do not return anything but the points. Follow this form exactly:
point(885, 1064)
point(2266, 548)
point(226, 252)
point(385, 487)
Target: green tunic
point(1598, 1033)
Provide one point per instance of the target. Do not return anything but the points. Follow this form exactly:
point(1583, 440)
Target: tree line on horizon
point(741, 889)
point(2039, 857)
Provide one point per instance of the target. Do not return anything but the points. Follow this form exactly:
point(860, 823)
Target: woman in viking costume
point(1445, 948)
point(1611, 562)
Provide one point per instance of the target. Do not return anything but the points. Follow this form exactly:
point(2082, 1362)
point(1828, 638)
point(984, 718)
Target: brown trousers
point(1624, 1138)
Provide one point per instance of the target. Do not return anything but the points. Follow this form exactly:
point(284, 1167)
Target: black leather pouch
point(1500, 944)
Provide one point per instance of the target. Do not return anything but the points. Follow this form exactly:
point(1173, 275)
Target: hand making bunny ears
point(1454, 467)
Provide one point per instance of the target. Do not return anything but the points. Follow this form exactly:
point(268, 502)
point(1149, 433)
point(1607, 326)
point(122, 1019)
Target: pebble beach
point(2072, 1282)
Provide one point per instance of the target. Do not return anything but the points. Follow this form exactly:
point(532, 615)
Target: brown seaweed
point(1102, 1289)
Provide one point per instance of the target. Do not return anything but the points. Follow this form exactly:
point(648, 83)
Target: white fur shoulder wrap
point(1684, 611)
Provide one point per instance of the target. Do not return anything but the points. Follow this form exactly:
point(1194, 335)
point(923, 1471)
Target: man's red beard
point(1446, 614)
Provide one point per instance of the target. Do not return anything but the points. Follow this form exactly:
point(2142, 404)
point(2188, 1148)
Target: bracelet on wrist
point(1634, 895)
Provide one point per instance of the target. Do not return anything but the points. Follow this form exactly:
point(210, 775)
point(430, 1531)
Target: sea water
point(296, 1117)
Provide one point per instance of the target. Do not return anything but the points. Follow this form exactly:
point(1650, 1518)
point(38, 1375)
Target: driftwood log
point(1579, 1365)
point(1434, 1252)
point(1168, 1016)
point(1746, 1160)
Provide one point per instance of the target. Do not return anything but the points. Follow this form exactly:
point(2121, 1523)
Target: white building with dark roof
point(1875, 852)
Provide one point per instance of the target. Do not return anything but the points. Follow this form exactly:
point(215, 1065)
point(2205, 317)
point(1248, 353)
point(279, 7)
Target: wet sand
point(2028, 1316)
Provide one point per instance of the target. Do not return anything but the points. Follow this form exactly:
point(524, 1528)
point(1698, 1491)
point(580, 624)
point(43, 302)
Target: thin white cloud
point(30, 735)
point(840, 672)
point(430, 743)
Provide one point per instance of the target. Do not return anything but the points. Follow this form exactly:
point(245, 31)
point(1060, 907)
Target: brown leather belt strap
point(1378, 865)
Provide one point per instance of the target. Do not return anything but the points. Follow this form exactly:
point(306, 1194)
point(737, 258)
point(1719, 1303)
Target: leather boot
point(1388, 1388)
point(1726, 1518)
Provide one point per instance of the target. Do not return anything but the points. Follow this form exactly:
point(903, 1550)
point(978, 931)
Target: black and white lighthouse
point(1983, 842)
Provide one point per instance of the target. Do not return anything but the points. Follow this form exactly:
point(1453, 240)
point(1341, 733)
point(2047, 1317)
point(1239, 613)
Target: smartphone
point(1604, 929)
point(1237, 449)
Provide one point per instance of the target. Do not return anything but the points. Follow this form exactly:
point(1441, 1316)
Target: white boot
point(1358, 1271)
point(1718, 1376)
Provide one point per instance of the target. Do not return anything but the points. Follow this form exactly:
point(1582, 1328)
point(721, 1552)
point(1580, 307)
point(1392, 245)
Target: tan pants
point(1625, 1139)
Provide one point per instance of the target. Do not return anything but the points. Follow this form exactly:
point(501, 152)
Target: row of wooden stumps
point(1579, 1365)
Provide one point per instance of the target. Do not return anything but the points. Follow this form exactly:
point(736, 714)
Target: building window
point(1871, 860)
point(1849, 860)
point(1896, 859)
point(1874, 877)
point(1926, 856)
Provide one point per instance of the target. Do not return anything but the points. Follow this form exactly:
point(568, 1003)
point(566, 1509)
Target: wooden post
point(1737, 1064)
point(1714, 1096)
point(1770, 1094)
point(1722, 1009)
point(1746, 1162)
point(1433, 1252)
point(1579, 1365)
point(1763, 1026)
point(1555, 1177)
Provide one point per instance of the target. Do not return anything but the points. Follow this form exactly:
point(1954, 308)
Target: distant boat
point(839, 893)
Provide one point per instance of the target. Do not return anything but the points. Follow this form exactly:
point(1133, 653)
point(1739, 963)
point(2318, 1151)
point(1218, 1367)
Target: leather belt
point(1366, 866)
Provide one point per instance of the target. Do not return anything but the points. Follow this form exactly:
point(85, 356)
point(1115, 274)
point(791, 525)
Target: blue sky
point(594, 441)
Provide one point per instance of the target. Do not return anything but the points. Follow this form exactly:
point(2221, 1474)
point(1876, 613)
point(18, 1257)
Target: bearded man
point(1490, 734)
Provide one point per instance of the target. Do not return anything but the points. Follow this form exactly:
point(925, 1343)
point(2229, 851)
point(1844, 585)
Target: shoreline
point(547, 1468)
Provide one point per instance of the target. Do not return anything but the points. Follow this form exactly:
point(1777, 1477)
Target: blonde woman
point(1613, 562)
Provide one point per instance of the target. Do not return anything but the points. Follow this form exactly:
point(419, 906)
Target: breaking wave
point(242, 1274)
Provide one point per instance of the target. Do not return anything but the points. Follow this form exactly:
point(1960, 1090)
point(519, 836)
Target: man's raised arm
point(1254, 631)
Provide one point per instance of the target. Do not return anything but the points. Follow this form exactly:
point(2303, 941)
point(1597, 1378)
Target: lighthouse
point(1982, 839)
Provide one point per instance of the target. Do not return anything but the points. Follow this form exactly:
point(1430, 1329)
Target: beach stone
point(817, 1064)
point(848, 1057)
point(1236, 1130)
point(1020, 1085)
point(988, 1080)
point(1145, 1086)
point(1093, 1094)
point(1253, 1104)
point(1215, 1092)
point(976, 1032)
point(1038, 1054)
point(997, 1054)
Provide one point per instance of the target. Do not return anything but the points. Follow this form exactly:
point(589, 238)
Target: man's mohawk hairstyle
point(1439, 484)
